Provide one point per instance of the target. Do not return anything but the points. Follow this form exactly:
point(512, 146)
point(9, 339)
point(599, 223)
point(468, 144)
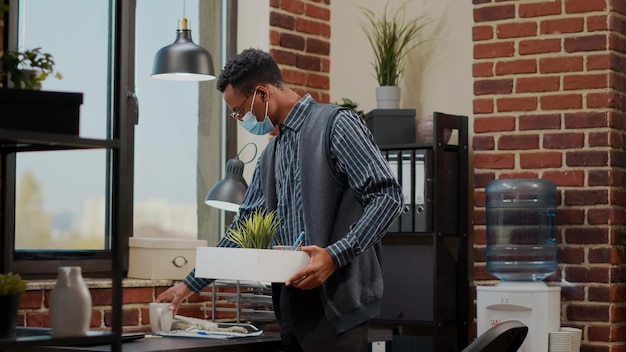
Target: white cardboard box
point(162, 258)
point(246, 264)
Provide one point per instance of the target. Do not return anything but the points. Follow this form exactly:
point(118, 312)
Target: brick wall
point(137, 294)
point(300, 43)
point(549, 89)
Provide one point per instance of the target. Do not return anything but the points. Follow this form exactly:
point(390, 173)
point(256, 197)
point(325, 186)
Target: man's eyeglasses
point(238, 112)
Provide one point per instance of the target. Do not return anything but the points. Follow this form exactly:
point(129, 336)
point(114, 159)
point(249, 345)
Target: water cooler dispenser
point(521, 252)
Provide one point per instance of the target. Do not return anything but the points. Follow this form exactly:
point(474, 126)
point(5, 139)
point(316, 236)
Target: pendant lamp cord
point(244, 147)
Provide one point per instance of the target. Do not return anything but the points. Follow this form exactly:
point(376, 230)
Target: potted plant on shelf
point(11, 288)
point(391, 38)
point(25, 106)
point(29, 68)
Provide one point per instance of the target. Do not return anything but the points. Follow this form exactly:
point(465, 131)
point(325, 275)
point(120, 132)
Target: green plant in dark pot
point(28, 69)
point(11, 288)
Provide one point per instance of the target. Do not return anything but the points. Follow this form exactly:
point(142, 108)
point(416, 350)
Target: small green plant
point(11, 284)
point(391, 39)
point(254, 231)
point(28, 69)
point(350, 104)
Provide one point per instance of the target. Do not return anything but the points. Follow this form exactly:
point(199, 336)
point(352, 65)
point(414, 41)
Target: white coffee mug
point(161, 317)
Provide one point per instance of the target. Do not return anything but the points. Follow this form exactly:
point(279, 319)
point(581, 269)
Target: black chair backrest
point(507, 336)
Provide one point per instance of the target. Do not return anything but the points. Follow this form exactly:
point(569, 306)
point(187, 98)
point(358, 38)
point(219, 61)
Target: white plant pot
point(388, 97)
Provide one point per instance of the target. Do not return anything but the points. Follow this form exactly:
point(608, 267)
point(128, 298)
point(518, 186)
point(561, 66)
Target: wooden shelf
point(12, 141)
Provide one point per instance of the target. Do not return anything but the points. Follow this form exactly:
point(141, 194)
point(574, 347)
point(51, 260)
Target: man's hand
point(175, 294)
point(316, 273)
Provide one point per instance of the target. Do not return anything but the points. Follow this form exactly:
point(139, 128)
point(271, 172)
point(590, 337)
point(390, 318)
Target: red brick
point(585, 197)
point(481, 179)
point(482, 106)
point(585, 120)
point(31, 300)
point(539, 122)
point(322, 13)
point(539, 46)
point(518, 174)
point(598, 139)
point(308, 62)
point(568, 254)
point(537, 84)
point(562, 25)
point(274, 37)
point(599, 256)
point(602, 100)
point(540, 160)
point(563, 140)
point(590, 274)
point(599, 294)
point(586, 158)
point(518, 142)
point(587, 43)
point(570, 216)
point(597, 23)
point(494, 13)
point(292, 41)
point(560, 64)
point(538, 9)
point(598, 178)
point(586, 81)
point(598, 333)
point(494, 124)
point(517, 104)
point(483, 143)
point(516, 67)
point(493, 50)
point(494, 161)
point(283, 57)
point(516, 30)
point(282, 20)
point(317, 46)
point(482, 33)
point(317, 81)
point(294, 77)
point(482, 69)
point(293, 6)
point(567, 178)
point(598, 62)
point(584, 6)
point(561, 102)
point(313, 27)
point(138, 295)
point(493, 86)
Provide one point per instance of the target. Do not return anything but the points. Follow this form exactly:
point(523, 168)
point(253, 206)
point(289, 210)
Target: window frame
point(123, 113)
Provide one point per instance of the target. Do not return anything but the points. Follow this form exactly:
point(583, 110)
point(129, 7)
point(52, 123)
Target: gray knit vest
point(352, 294)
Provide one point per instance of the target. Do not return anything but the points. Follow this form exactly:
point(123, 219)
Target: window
point(62, 198)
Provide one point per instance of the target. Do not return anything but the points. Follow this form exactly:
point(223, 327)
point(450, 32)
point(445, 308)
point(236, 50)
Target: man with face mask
point(324, 175)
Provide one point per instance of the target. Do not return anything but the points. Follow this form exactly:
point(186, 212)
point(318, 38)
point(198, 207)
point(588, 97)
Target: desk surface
point(269, 342)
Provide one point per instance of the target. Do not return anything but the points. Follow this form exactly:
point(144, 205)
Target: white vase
point(388, 97)
point(70, 303)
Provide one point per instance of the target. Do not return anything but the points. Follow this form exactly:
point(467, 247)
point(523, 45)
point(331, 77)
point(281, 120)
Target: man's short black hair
point(248, 69)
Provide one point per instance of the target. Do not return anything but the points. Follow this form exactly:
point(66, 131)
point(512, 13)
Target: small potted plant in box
point(11, 288)
point(254, 231)
point(254, 261)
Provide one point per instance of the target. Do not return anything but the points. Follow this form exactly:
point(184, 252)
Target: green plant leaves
point(391, 38)
point(254, 231)
point(28, 69)
point(11, 284)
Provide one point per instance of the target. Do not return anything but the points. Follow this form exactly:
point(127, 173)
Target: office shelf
point(16, 141)
point(252, 300)
point(425, 252)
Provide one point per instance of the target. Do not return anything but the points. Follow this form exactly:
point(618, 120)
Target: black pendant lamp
point(183, 60)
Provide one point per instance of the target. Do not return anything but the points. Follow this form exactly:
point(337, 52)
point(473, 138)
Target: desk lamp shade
point(228, 193)
point(183, 60)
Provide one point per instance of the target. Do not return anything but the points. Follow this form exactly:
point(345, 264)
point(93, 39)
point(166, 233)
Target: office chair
point(507, 336)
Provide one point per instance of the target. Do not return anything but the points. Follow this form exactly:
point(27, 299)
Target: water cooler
point(521, 252)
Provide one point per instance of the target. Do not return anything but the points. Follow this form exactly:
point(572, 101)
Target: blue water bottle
point(521, 229)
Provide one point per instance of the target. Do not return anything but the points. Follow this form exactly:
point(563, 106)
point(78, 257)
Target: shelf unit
point(425, 252)
point(252, 300)
point(14, 141)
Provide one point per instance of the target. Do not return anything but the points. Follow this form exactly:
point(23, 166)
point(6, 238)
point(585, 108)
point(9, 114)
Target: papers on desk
point(222, 333)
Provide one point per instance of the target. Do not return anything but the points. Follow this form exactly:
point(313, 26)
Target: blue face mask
point(252, 125)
